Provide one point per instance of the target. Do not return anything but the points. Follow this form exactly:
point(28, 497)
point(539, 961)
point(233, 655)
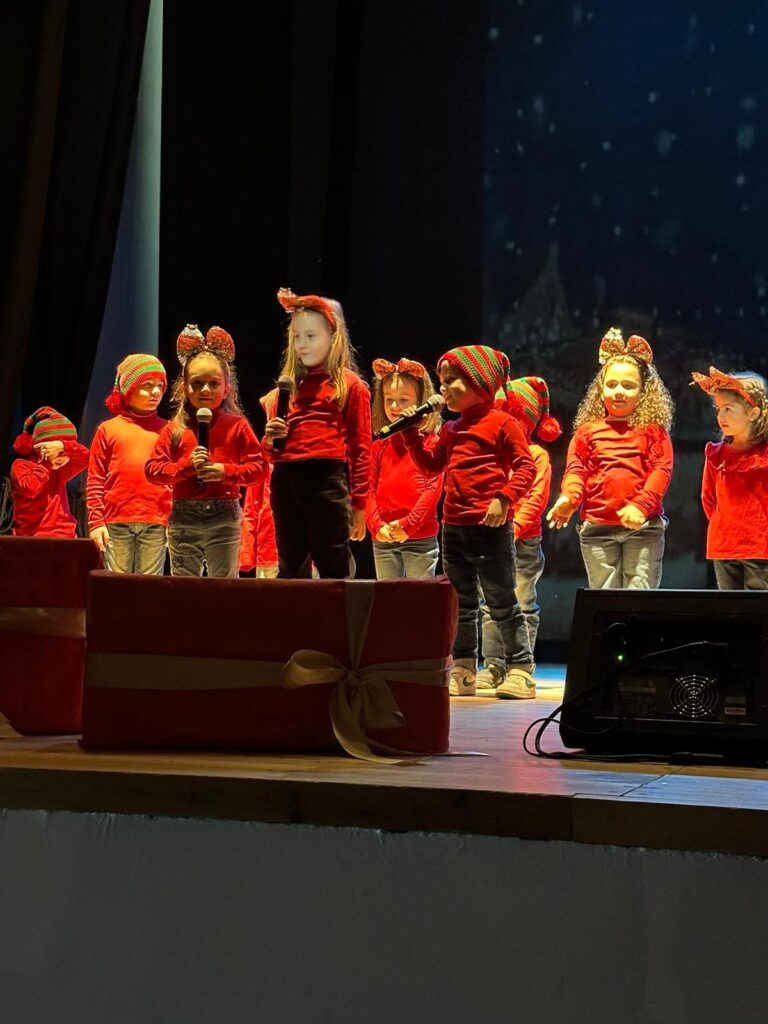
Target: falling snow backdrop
point(625, 182)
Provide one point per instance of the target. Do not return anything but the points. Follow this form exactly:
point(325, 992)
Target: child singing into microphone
point(204, 530)
point(488, 468)
point(319, 482)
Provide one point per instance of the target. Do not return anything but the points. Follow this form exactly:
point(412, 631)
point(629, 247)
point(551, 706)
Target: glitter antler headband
point(716, 380)
point(383, 368)
point(293, 303)
point(217, 341)
point(613, 344)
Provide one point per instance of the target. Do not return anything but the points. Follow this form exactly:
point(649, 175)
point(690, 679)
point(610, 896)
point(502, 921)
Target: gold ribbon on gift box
point(361, 699)
point(64, 622)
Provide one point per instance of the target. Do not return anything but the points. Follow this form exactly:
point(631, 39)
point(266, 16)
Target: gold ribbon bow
point(613, 344)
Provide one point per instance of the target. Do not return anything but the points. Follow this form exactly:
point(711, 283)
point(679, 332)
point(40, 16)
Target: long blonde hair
point(757, 388)
point(184, 415)
point(655, 405)
point(424, 390)
point(341, 355)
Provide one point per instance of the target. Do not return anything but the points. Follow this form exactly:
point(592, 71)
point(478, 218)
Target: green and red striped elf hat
point(132, 372)
point(531, 407)
point(485, 368)
point(45, 424)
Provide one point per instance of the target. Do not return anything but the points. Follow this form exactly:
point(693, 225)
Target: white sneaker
point(489, 679)
point(463, 677)
point(518, 685)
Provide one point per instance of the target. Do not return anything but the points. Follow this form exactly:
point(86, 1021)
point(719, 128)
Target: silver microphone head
point(204, 415)
point(436, 401)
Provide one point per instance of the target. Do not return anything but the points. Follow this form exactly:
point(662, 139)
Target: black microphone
point(204, 417)
point(284, 392)
point(432, 404)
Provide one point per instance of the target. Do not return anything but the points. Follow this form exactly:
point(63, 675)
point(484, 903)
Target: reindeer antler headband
point(613, 344)
point(293, 303)
point(217, 341)
point(716, 380)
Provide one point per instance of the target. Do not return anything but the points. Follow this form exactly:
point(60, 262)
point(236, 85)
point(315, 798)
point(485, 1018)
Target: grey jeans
point(617, 558)
point(529, 560)
point(738, 574)
point(135, 547)
point(410, 558)
point(205, 533)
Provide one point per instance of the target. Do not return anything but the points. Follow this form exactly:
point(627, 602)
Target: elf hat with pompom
point(132, 372)
point(486, 369)
point(532, 396)
point(45, 424)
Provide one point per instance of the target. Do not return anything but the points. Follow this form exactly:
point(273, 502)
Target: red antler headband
point(292, 303)
point(383, 368)
point(716, 380)
point(613, 344)
point(217, 341)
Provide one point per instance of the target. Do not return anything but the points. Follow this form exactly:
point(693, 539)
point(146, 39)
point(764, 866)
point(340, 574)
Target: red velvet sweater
point(531, 507)
point(118, 490)
point(259, 547)
point(484, 455)
point(40, 503)
point(734, 493)
point(399, 490)
point(319, 429)
point(232, 442)
point(611, 464)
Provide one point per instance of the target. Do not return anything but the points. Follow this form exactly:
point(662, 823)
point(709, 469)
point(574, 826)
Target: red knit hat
point(485, 368)
point(532, 396)
point(132, 372)
point(45, 424)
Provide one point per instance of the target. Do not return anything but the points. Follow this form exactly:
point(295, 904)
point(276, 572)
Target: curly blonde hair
point(184, 414)
point(341, 356)
point(654, 407)
point(757, 388)
point(424, 390)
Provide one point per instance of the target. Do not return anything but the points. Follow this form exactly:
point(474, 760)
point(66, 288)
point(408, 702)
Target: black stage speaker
point(667, 671)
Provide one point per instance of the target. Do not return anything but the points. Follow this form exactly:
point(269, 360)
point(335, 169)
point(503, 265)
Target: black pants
point(310, 503)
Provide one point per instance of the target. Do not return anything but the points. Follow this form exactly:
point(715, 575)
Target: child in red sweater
point(527, 399)
point(319, 483)
point(127, 515)
point(734, 488)
point(50, 456)
point(401, 512)
point(488, 468)
point(619, 467)
point(259, 550)
point(204, 530)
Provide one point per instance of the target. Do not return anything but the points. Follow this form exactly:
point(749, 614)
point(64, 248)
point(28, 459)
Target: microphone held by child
point(433, 404)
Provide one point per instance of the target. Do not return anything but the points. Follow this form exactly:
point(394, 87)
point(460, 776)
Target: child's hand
point(383, 535)
point(631, 517)
point(560, 513)
point(211, 472)
point(276, 427)
point(358, 524)
point(410, 411)
point(199, 457)
point(497, 512)
point(397, 533)
point(57, 461)
point(100, 537)
point(48, 450)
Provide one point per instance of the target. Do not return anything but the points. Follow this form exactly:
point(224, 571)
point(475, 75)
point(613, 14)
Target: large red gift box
point(269, 665)
point(43, 586)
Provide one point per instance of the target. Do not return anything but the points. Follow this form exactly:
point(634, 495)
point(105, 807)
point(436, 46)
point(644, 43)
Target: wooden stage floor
point(507, 793)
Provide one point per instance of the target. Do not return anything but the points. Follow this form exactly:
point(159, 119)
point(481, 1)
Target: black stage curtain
point(333, 146)
point(69, 79)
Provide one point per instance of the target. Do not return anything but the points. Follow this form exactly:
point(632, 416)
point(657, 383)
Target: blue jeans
point(135, 547)
point(529, 562)
point(205, 534)
point(484, 556)
point(617, 558)
point(740, 574)
point(410, 558)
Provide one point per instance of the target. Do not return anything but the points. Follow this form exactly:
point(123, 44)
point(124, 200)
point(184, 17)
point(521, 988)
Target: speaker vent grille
point(694, 696)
